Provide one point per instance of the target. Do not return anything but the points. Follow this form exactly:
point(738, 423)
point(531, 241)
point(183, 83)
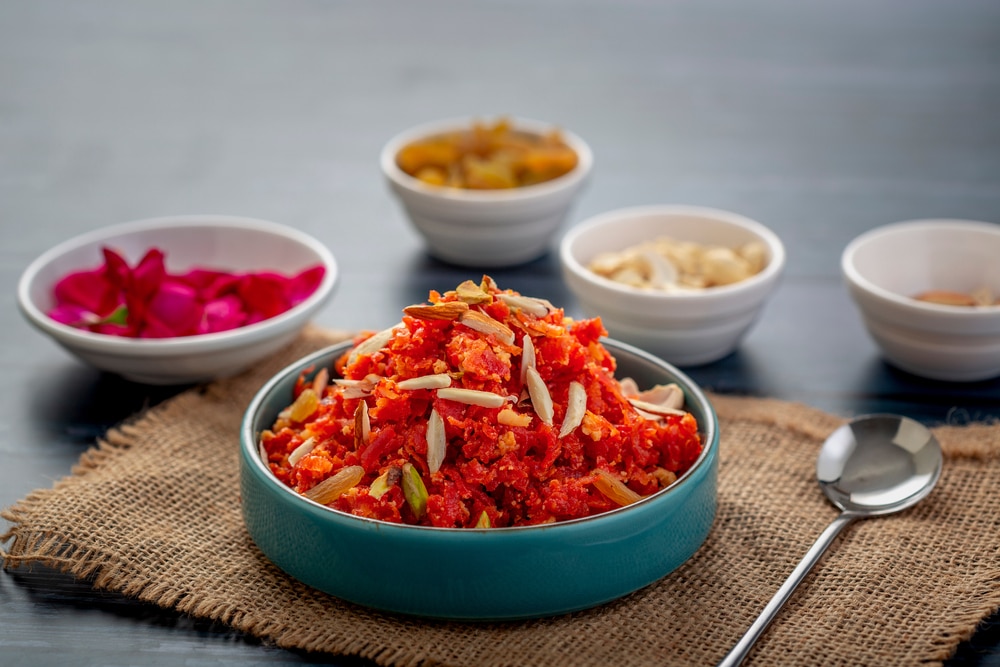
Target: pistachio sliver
point(483, 521)
point(334, 487)
point(414, 490)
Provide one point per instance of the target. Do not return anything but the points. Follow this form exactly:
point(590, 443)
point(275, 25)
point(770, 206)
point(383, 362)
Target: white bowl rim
point(774, 266)
point(387, 161)
point(167, 346)
point(251, 451)
point(853, 276)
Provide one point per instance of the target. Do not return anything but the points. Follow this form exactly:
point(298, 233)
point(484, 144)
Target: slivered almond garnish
point(321, 381)
point(576, 407)
point(262, 450)
point(372, 344)
point(527, 357)
point(541, 400)
point(510, 417)
point(362, 426)
point(307, 446)
point(436, 443)
point(614, 488)
point(530, 305)
point(334, 487)
point(486, 399)
point(355, 388)
point(304, 406)
point(471, 293)
point(666, 395)
point(449, 310)
point(436, 381)
point(629, 387)
point(655, 409)
point(485, 324)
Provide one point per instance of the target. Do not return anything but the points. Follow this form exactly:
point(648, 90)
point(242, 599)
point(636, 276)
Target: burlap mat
point(153, 512)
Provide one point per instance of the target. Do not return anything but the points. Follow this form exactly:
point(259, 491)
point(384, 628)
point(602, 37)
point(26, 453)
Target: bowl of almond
point(684, 282)
point(928, 292)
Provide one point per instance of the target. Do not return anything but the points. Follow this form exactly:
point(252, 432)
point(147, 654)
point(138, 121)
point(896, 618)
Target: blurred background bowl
point(884, 270)
point(222, 242)
point(685, 328)
point(479, 574)
point(486, 228)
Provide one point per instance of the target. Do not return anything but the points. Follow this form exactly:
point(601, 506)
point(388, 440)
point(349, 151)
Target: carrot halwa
point(482, 408)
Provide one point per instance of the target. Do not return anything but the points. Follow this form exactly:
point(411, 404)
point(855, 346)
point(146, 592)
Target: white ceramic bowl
point(885, 267)
point(222, 242)
point(486, 228)
point(685, 329)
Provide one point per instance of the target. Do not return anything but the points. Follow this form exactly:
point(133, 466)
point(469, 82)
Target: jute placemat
point(153, 512)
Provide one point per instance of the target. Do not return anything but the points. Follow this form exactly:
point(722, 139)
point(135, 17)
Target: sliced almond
point(355, 388)
point(530, 305)
point(527, 357)
point(321, 381)
point(450, 310)
point(541, 400)
point(436, 381)
point(628, 387)
point(334, 487)
point(486, 399)
point(372, 344)
point(655, 409)
point(614, 488)
point(485, 324)
point(666, 395)
point(436, 443)
point(307, 446)
point(362, 426)
point(576, 407)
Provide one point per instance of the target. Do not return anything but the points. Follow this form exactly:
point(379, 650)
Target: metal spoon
point(874, 465)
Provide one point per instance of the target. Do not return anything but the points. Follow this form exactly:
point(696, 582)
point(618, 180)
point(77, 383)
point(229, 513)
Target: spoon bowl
point(871, 466)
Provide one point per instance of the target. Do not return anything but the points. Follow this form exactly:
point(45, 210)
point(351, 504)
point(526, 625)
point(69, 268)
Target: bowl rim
point(167, 346)
point(251, 453)
point(854, 277)
point(769, 273)
point(399, 178)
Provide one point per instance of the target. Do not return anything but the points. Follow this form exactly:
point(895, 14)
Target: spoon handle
point(739, 652)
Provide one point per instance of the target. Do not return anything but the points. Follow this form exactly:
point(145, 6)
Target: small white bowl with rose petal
point(886, 268)
point(684, 326)
point(228, 243)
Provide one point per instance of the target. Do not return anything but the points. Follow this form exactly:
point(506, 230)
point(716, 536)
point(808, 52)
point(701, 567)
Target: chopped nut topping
point(449, 310)
point(436, 442)
point(436, 381)
point(541, 400)
point(485, 399)
point(575, 409)
point(485, 324)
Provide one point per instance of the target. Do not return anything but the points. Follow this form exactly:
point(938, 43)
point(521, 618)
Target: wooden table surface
point(819, 119)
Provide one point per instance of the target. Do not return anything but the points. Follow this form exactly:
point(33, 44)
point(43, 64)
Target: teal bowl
point(480, 574)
